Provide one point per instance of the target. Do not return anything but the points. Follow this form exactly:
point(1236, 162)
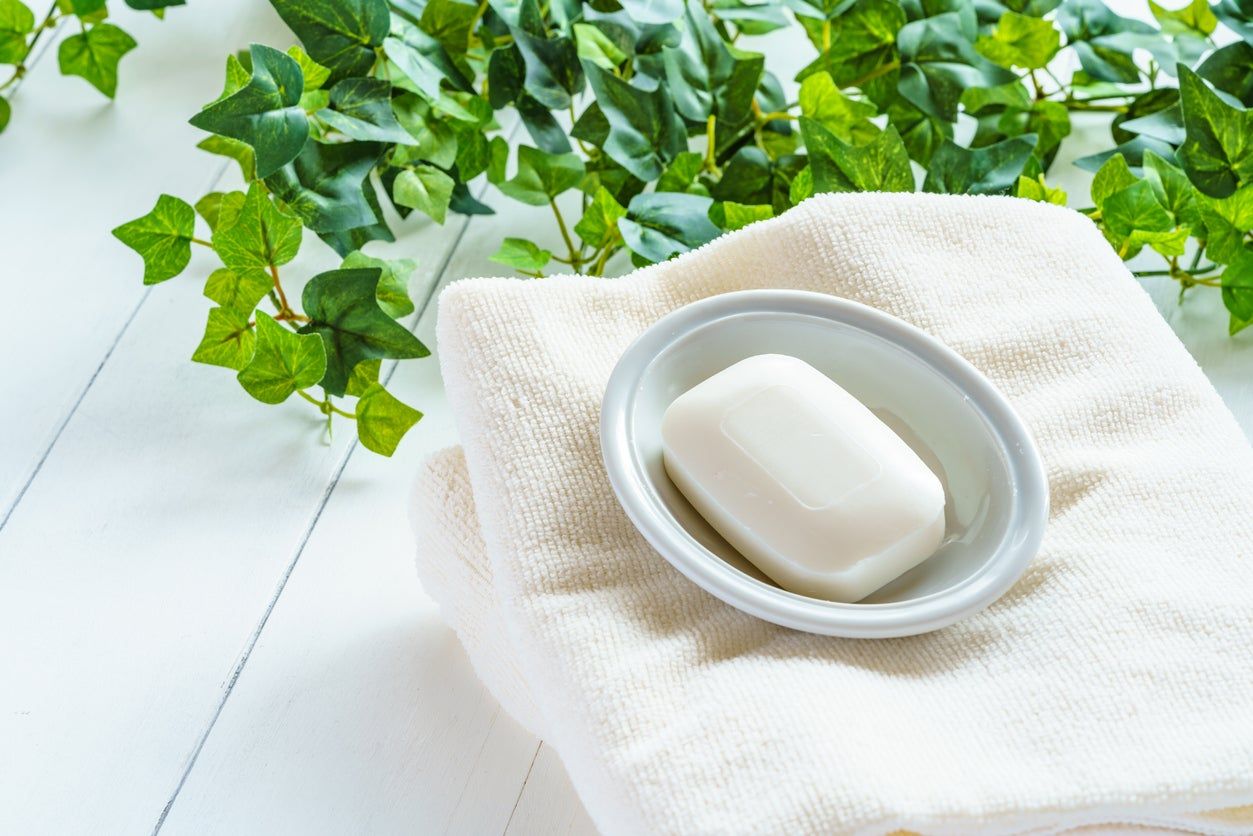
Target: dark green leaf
point(94, 54)
point(1103, 40)
point(1154, 114)
point(424, 61)
point(361, 109)
point(228, 339)
point(324, 185)
point(265, 114)
point(661, 225)
point(645, 131)
point(382, 421)
point(1173, 190)
point(544, 129)
point(990, 170)
point(505, 71)
point(707, 76)
point(282, 362)
point(344, 241)
point(162, 237)
point(1133, 151)
point(881, 165)
point(448, 21)
point(653, 11)
point(344, 311)
point(1218, 151)
point(941, 63)
point(1230, 69)
point(339, 34)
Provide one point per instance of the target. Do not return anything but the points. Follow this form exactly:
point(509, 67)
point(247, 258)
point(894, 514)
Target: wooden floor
point(209, 621)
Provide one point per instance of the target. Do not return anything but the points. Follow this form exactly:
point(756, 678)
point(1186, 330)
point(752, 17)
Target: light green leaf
point(382, 421)
point(237, 291)
point(162, 237)
point(240, 152)
point(282, 362)
point(94, 54)
point(449, 22)
point(314, 74)
point(5, 113)
point(732, 216)
point(339, 34)
point(261, 236)
point(393, 290)
point(1227, 221)
point(680, 175)
point(802, 186)
point(425, 188)
point(881, 165)
point(1113, 176)
point(592, 44)
point(541, 177)
point(599, 225)
point(847, 119)
point(1218, 151)
point(364, 375)
point(522, 255)
point(1173, 190)
point(237, 77)
point(1020, 41)
point(228, 339)
point(1196, 18)
point(218, 208)
point(1036, 189)
point(343, 309)
point(265, 114)
point(16, 22)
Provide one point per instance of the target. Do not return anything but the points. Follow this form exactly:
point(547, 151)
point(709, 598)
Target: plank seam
point(522, 789)
point(82, 394)
point(291, 567)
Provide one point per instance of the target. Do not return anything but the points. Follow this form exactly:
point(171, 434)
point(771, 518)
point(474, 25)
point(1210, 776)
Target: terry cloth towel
point(1113, 683)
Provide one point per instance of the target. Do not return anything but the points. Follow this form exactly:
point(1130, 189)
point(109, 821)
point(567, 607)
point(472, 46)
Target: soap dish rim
point(1029, 495)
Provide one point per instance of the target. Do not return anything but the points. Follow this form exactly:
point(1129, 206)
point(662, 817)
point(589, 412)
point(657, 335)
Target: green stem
point(325, 406)
point(711, 140)
point(575, 261)
point(202, 242)
point(19, 71)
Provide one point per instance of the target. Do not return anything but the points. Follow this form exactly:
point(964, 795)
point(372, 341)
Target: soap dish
point(941, 406)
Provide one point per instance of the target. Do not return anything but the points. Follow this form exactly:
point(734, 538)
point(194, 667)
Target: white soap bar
point(802, 478)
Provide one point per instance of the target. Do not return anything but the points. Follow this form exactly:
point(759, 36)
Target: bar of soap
point(802, 478)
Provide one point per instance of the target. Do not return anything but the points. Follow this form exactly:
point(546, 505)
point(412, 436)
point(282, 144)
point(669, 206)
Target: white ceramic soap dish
point(949, 413)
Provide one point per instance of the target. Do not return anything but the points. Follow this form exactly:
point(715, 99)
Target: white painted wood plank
point(72, 167)
point(548, 805)
point(357, 709)
point(136, 571)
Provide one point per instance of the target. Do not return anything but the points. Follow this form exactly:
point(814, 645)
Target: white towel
point(1113, 683)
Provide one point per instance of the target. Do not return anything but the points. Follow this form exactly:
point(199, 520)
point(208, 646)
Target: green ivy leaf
point(1021, 41)
point(645, 131)
point(1237, 282)
point(990, 170)
point(553, 71)
point(449, 21)
point(1218, 151)
point(240, 152)
point(1196, 19)
point(1103, 40)
point(523, 255)
point(424, 62)
point(1227, 222)
point(364, 375)
point(282, 362)
point(382, 421)
point(94, 55)
point(218, 208)
point(1114, 176)
point(846, 118)
point(343, 309)
point(162, 237)
point(592, 44)
point(1230, 69)
point(881, 165)
point(6, 112)
point(261, 236)
point(1173, 190)
point(860, 49)
point(426, 189)
point(708, 77)
point(314, 74)
point(1034, 188)
point(325, 185)
point(680, 175)
point(339, 34)
point(661, 225)
point(940, 63)
point(393, 290)
point(228, 339)
point(599, 225)
point(265, 114)
point(240, 292)
point(361, 109)
point(16, 22)
point(541, 177)
point(731, 216)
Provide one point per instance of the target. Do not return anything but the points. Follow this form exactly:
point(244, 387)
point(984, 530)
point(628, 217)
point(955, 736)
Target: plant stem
point(1095, 108)
point(711, 142)
point(575, 261)
point(283, 307)
point(325, 406)
point(201, 242)
point(19, 71)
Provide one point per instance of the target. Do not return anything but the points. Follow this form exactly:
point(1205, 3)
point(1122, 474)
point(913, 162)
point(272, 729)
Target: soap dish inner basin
point(906, 391)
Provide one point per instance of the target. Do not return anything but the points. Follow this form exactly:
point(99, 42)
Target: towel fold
point(1113, 683)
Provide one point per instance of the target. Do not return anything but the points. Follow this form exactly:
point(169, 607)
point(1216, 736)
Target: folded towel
point(1113, 683)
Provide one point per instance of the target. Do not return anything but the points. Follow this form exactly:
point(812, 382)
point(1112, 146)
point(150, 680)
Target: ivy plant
point(92, 52)
point(657, 123)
